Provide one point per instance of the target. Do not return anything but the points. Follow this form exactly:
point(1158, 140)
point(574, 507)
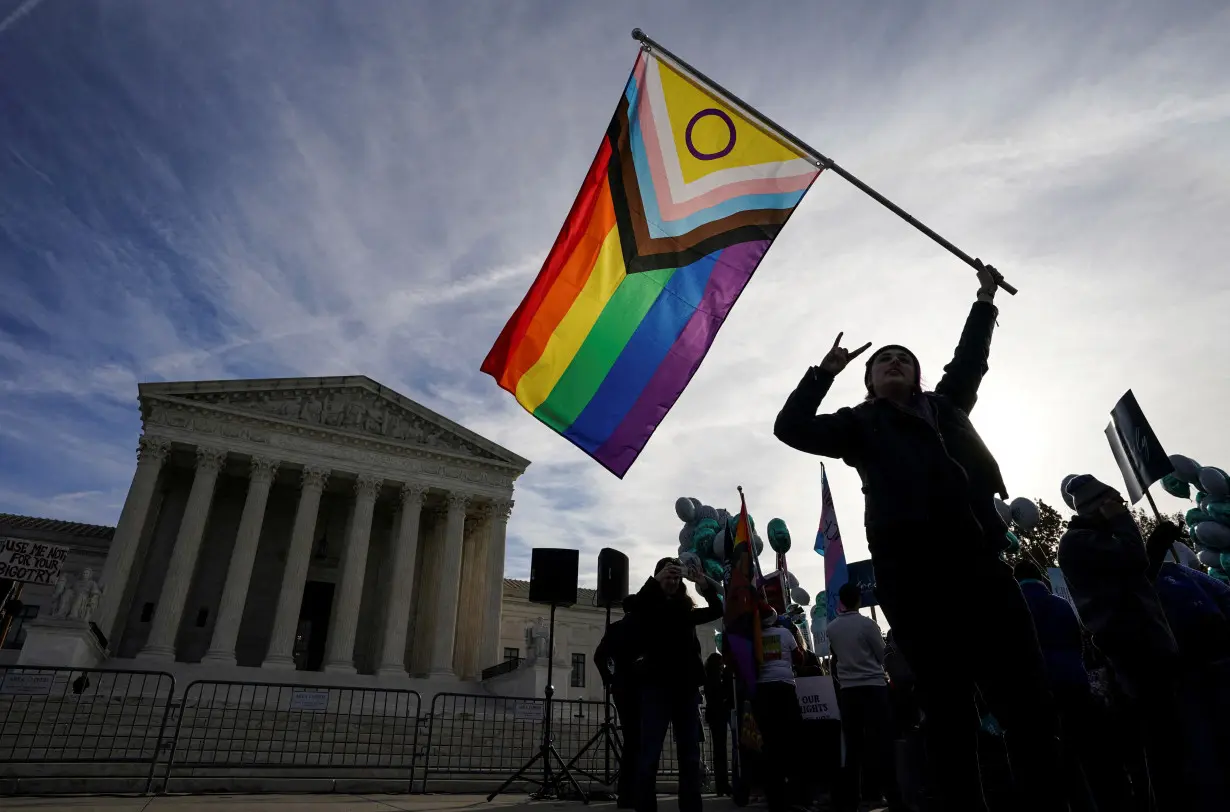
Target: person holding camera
point(670, 673)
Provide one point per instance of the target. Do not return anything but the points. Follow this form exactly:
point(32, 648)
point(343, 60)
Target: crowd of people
point(1012, 699)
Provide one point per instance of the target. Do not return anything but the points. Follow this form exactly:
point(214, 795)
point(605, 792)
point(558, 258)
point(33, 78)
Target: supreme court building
point(327, 525)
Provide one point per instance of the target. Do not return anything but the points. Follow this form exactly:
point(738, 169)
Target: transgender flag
point(828, 544)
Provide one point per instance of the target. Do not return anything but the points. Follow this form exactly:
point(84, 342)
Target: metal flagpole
point(820, 159)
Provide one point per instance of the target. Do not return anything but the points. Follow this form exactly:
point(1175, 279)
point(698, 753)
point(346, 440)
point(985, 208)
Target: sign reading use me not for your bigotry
point(31, 562)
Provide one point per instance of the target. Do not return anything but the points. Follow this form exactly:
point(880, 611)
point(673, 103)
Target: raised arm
point(964, 374)
point(713, 609)
point(798, 425)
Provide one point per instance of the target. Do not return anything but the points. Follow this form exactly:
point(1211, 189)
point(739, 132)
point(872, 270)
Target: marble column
point(450, 588)
point(349, 596)
point(239, 573)
point(428, 588)
point(151, 454)
point(493, 595)
point(392, 660)
point(294, 576)
point(160, 645)
point(466, 660)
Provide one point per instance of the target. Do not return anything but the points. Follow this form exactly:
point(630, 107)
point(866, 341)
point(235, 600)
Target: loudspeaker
point(612, 577)
point(553, 576)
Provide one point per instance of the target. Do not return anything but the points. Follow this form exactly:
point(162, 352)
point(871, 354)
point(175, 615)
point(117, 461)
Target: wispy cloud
point(233, 189)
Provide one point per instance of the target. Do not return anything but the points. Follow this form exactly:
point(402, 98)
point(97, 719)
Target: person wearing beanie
point(1107, 569)
point(930, 484)
point(669, 673)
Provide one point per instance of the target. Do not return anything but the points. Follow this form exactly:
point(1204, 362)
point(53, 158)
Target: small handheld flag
point(741, 619)
point(685, 196)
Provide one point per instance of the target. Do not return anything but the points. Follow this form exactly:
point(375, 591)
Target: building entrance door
point(313, 625)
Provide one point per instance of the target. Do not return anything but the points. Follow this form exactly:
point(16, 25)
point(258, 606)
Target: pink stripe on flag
point(667, 207)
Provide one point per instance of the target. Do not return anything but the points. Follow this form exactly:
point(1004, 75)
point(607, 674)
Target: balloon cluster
point(1208, 523)
point(1021, 516)
point(707, 535)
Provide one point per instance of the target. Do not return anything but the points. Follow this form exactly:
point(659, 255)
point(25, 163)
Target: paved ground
point(323, 803)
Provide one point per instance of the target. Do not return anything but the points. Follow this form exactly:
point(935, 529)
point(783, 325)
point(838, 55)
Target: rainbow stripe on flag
point(679, 207)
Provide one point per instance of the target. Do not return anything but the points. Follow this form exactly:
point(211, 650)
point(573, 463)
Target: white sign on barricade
point(528, 710)
point(309, 699)
point(18, 683)
point(817, 698)
point(31, 562)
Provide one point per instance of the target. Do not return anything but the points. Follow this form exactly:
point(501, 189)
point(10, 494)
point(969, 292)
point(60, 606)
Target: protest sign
point(817, 698)
point(863, 575)
point(1059, 586)
point(31, 562)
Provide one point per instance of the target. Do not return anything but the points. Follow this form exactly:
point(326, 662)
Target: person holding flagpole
point(929, 484)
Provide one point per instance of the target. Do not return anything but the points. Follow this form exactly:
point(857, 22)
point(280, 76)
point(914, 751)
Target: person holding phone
point(929, 483)
point(670, 676)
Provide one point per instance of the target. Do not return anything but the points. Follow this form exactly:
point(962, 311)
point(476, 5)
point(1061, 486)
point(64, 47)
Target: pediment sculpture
point(350, 409)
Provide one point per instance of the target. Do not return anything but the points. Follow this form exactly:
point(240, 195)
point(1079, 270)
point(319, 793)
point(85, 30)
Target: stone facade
point(309, 524)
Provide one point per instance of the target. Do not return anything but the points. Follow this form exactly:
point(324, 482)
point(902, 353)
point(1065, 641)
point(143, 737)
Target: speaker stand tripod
point(550, 784)
point(608, 736)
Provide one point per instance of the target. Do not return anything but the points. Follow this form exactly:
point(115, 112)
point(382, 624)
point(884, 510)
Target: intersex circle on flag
point(710, 156)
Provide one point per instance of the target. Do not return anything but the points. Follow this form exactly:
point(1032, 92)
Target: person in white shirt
point(858, 652)
point(778, 715)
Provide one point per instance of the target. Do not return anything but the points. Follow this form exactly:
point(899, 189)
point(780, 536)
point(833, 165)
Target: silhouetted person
point(1110, 578)
point(1089, 750)
point(719, 699)
point(866, 720)
point(670, 675)
point(929, 483)
point(615, 659)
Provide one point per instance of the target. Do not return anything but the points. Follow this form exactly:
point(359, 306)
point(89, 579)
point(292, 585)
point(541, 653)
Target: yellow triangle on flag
point(720, 138)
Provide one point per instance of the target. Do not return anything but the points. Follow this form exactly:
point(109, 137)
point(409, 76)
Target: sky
point(233, 189)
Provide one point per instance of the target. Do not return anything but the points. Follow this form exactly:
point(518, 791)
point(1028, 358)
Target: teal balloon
point(1195, 516)
point(1176, 487)
point(702, 537)
point(779, 536)
point(1218, 511)
point(1014, 543)
point(714, 569)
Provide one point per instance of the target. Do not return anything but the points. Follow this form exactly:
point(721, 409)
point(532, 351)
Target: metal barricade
point(240, 730)
point(489, 738)
point(76, 717)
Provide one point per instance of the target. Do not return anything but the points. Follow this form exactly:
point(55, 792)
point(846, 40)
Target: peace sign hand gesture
point(839, 356)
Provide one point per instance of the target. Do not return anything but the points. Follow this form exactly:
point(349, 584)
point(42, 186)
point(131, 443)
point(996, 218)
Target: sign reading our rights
point(31, 562)
point(817, 698)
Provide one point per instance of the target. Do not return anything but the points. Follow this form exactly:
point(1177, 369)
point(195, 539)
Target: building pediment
point(353, 405)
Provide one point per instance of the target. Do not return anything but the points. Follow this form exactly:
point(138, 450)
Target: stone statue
point(61, 608)
point(537, 640)
point(58, 593)
point(88, 593)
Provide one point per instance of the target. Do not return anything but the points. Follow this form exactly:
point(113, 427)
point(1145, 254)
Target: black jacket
point(915, 473)
point(1108, 574)
point(664, 632)
point(617, 649)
